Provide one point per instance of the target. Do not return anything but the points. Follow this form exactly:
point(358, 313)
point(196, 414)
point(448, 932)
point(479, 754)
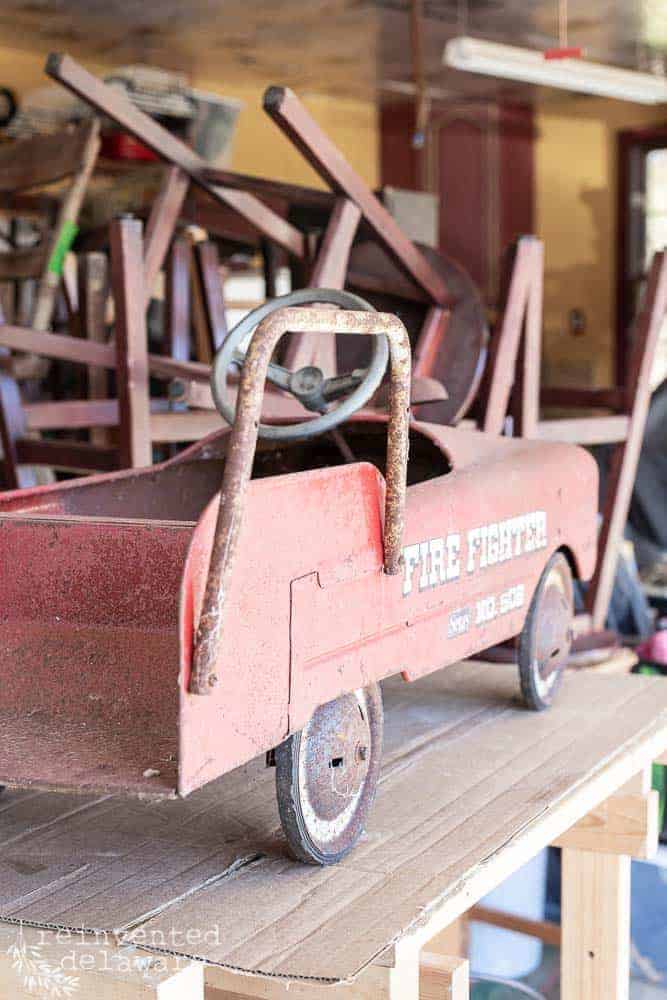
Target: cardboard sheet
point(465, 768)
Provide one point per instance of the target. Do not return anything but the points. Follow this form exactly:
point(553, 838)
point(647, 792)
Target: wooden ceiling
point(342, 47)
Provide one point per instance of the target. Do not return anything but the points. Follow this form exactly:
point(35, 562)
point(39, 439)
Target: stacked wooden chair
point(232, 204)
point(513, 390)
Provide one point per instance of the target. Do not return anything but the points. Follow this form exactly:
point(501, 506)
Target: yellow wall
point(575, 192)
point(259, 147)
point(575, 213)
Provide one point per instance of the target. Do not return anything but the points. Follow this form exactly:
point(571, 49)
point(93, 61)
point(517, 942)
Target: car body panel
point(97, 613)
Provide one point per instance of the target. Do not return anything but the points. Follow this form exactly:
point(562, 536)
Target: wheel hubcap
point(334, 759)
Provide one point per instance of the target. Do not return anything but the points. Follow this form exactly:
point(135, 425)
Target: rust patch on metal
point(243, 441)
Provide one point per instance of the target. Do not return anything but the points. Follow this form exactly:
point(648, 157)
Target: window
point(656, 239)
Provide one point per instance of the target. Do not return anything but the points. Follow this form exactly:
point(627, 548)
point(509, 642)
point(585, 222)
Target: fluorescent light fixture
point(529, 66)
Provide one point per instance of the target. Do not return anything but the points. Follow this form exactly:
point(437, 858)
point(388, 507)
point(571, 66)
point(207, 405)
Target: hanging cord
point(563, 49)
point(562, 23)
point(462, 16)
point(422, 104)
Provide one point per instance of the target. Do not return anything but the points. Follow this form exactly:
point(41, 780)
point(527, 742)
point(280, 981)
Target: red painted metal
point(564, 52)
point(103, 578)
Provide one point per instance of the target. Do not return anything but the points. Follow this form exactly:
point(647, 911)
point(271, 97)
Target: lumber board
point(442, 978)
point(453, 940)
point(544, 930)
point(595, 949)
point(623, 824)
point(640, 784)
point(375, 983)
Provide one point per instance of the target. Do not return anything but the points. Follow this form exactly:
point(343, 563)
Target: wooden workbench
point(472, 787)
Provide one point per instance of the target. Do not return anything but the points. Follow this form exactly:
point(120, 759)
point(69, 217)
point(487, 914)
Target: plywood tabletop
point(472, 785)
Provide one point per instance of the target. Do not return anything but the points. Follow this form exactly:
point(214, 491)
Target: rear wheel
point(544, 644)
point(326, 776)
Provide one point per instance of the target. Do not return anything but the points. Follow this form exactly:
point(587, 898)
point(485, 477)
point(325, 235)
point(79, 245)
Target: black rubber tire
point(11, 107)
point(302, 845)
point(536, 694)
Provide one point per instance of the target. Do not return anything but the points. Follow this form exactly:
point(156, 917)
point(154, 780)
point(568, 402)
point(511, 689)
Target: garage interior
point(215, 543)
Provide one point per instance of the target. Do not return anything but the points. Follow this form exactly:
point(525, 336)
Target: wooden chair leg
point(131, 343)
point(623, 469)
point(177, 301)
point(200, 324)
point(329, 272)
point(12, 423)
point(504, 368)
point(93, 279)
point(270, 259)
point(161, 224)
point(210, 280)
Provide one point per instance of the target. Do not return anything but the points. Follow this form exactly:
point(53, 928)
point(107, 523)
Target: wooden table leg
point(453, 940)
point(595, 955)
point(442, 978)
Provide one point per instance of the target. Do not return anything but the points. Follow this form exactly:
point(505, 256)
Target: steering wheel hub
point(306, 384)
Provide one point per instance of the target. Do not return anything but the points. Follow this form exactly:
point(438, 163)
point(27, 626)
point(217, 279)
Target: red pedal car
point(154, 637)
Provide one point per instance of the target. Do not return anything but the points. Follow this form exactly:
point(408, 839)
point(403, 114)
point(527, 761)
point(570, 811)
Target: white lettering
point(410, 562)
point(423, 557)
point(439, 559)
point(453, 557)
point(438, 573)
point(473, 545)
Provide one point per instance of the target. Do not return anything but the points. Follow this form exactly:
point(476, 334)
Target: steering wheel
point(308, 385)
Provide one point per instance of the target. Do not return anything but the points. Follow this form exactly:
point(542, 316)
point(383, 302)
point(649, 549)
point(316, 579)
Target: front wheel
point(326, 776)
point(544, 644)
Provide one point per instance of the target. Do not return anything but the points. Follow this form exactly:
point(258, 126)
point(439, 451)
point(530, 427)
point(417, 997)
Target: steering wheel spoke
point(276, 375)
point(341, 385)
